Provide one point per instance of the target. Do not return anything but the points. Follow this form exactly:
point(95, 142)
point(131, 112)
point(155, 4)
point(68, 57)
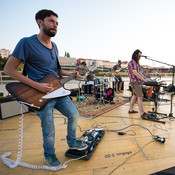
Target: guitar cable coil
point(12, 164)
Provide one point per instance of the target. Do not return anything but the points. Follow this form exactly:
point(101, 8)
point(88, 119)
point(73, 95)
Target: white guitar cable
point(12, 164)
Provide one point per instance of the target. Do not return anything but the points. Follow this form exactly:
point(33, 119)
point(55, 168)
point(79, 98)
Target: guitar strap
point(24, 72)
point(58, 64)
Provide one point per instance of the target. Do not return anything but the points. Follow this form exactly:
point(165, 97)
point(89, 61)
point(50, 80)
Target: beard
point(50, 32)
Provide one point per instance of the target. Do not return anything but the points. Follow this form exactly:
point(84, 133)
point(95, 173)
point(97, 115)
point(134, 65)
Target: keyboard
point(154, 83)
point(151, 83)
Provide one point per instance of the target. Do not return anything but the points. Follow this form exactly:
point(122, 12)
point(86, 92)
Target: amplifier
point(9, 107)
point(92, 139)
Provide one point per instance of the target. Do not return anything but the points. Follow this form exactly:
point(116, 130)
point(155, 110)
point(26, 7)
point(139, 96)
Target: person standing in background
point(118, 80)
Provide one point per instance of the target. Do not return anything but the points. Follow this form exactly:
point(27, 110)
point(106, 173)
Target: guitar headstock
point(82, 71)
point(92, 67)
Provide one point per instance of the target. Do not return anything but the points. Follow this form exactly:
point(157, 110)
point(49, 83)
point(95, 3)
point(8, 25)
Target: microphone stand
point(173, 80)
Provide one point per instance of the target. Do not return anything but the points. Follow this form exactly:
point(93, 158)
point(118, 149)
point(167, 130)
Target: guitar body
point(33, 97)
point(117, 72)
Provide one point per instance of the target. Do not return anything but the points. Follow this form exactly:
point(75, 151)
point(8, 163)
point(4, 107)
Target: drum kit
point(100, 89)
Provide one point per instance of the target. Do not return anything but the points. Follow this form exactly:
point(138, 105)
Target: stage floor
point(134, 153)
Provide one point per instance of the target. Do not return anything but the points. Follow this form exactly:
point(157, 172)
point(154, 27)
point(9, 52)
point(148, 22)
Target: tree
point(68, 55)
point(83, 63)
point(3, 61)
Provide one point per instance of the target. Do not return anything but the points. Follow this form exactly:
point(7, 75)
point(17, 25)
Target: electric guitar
point(118, 72)
point(36, 99)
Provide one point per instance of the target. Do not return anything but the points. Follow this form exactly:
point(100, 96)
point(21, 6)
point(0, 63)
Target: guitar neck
point(65, 80)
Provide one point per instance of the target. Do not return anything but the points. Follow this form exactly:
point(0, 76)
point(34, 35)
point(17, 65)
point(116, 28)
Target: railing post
point(1, 77)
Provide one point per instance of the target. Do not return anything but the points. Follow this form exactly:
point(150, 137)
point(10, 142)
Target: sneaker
point(145, 116)
point(78, 145)
point(52, 161)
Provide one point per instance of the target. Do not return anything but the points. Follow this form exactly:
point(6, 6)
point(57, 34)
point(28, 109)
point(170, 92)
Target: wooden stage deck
point(112, 151)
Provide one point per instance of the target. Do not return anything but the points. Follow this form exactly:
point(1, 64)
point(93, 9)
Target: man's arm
point(139, 76)
point(11, 69)
point(145, 76)
point(69, 73)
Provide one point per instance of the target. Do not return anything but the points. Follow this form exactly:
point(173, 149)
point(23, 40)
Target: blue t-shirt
point(38, 59)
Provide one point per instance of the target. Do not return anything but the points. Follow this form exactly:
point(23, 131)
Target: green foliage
point(67, 54)
point(3, 61)
point(83, 63)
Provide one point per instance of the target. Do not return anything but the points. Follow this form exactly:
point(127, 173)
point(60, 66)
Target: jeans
point(67, 108)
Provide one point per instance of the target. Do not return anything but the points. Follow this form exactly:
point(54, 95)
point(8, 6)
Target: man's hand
point(45, 87)
point(78, 75)
point(148, 79)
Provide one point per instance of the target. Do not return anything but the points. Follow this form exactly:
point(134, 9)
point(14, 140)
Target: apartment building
point(5, 53)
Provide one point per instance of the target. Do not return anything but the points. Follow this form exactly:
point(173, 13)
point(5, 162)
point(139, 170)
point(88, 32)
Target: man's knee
point(139, 98)
point(75, 115)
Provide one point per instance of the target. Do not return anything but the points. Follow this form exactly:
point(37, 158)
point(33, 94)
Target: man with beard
point(39, 55)
point(136, 78)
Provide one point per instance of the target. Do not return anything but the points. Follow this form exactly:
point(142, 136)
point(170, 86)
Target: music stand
point(173, 81)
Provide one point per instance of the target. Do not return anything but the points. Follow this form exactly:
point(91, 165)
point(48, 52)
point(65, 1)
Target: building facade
point(5, 53)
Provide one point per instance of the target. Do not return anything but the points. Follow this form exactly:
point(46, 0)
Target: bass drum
point(109, 94)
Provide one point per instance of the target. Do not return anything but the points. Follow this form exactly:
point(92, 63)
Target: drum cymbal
point(80, 79)
point(99, 85)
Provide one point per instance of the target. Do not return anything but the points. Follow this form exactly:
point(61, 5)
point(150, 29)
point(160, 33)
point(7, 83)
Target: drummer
point(89, 78)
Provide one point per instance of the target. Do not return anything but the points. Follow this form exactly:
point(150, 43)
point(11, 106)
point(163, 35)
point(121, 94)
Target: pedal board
point(92, 139)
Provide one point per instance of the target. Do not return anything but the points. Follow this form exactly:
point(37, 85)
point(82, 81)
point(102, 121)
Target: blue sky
point(97, 29)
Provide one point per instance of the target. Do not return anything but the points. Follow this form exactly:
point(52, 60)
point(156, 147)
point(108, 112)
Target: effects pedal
point(92, 139)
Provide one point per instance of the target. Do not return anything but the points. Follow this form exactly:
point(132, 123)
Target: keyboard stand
point(153, 116)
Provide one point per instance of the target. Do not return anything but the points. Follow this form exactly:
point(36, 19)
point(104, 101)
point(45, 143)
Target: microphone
point(144, 56)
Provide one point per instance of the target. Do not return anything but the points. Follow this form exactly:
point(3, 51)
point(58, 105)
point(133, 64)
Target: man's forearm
point(66, 73)
point(143, 75)
point(21, 78)
point(139, 76)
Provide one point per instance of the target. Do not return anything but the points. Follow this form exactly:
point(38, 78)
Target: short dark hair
point(44, 13)
point(119, 61)
point(134, 55)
